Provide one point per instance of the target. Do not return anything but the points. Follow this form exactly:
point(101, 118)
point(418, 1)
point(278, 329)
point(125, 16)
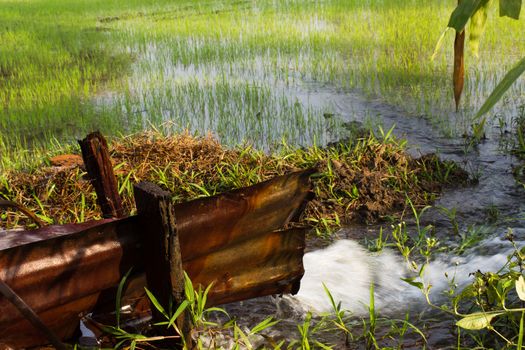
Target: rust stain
point(207, 224)
point(276, 254)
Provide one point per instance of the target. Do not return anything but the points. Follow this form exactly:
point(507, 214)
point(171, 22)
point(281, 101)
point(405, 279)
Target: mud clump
point(66, 160)
point(364, 181)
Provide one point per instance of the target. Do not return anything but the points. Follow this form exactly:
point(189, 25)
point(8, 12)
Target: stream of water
point(490, 208)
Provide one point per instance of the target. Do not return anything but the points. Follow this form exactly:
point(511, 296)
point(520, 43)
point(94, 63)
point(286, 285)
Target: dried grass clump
point(374, 179)
point(364, 181)
point(182, 153)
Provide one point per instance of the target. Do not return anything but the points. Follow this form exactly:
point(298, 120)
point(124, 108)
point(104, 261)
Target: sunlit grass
point(239, 69)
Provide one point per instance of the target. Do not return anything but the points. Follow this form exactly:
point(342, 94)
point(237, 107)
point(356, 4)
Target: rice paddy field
point(246, 71)
point(205, 96)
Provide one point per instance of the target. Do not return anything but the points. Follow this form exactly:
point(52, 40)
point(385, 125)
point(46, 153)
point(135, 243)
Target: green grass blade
point(269, 322)
point(156, 303)
point(119, 296)
point(502, 87)
point(332, 301)
point(520, 336)
point(177, 313)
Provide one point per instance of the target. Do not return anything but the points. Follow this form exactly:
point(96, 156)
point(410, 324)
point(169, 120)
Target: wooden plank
point(100, 170)
point(161, 249)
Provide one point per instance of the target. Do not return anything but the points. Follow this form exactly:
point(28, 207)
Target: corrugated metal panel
point(268, 264)
point(62, 276)
point(230, 240)
point(209, 224)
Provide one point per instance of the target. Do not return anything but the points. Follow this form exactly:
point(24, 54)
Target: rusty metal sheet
point(63, 273)
point(18, 238)
point(230, 240)
point(267, 264)
point(209, 224)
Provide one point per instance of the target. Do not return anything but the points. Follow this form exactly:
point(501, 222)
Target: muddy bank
point(362, 180)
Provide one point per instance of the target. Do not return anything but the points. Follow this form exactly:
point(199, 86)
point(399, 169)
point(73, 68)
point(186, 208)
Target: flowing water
point(487, 210)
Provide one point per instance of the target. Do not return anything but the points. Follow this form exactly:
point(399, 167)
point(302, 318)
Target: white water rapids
point(348, 270)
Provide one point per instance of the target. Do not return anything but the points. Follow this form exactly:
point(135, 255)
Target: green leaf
point(188, 288)
point(177, 313)
point(477, 321)
point(477, 26)
point(323, 346)
point(269, 322)
point(503, 86)
point(462, 13)
point(520, 288)
point(439, 44)
point(217, 309)
point(413, 283)
point(156, 303)
point(332, 301)
point(510, 8)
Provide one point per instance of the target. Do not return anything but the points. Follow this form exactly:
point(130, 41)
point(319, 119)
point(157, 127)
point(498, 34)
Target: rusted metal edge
point(17, 238)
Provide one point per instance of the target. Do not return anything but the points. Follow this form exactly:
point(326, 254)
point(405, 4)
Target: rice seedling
point(241, 70)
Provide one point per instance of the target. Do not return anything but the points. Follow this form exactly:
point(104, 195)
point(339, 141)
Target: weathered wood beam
point(100, 170)
point(162, 253)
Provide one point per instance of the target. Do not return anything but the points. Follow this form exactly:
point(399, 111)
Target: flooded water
point(202, 84)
